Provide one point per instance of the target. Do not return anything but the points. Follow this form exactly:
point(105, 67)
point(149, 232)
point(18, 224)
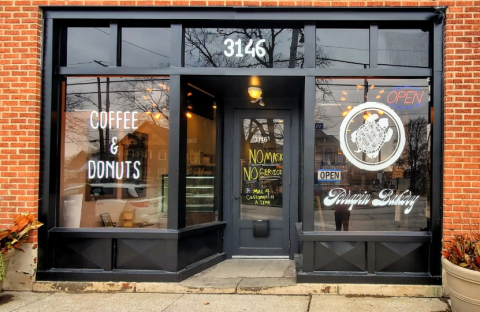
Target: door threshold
point(262, 257)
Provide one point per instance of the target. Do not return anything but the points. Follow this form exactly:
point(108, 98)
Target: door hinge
point(289, 245)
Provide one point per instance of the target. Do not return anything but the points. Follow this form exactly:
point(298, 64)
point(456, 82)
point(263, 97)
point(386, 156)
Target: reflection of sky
point(349, 48)
point(145, 47)
point(86, 45)
point(342, 46)
point(407, 47)
point(141, 47)
point(330, 112)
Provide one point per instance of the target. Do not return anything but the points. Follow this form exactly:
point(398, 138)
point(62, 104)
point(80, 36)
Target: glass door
point(261, 173)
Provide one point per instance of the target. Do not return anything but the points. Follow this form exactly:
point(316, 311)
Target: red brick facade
point(20, 96)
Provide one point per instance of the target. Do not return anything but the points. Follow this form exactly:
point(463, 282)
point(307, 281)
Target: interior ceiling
point(237, 86)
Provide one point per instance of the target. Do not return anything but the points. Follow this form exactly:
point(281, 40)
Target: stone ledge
point(244, 286)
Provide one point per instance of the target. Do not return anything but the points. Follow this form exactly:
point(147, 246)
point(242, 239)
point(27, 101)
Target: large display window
point(372, 155)
point(115, 152)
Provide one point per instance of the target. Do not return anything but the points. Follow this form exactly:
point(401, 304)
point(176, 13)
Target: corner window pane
point(201, 156)
point(244, 47)
point(87, 46)
point(372, 155)
point(342, 48)
point(115, 153)
point(403, 47)
point(146, 47)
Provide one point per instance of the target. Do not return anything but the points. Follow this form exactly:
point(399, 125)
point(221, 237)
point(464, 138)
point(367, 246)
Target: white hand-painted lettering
point(386, 197)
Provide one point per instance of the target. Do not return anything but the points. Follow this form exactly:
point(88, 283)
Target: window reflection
point(244, 47)
point(403, 47)
point(87, 46)
point(115, 159)
point(342, 48)
point(201, 156)
point(146, 47)
point(351, 138)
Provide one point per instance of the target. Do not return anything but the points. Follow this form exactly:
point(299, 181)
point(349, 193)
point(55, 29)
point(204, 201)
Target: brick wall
point(20, 73)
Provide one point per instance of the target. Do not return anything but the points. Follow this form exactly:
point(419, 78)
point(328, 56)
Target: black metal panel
point(437, 147)
point(308, 154)
point(83, 254)
point(196, 248)
point(354, 236)
point(240, 13)
point(128, 275)
point(211, 71)
point(401, 257)
point(146, 254)
point(135, 233)
point(340, 256)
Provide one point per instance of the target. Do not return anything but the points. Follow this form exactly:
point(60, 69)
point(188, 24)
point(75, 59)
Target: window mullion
point(114, 45)
point(373, 46)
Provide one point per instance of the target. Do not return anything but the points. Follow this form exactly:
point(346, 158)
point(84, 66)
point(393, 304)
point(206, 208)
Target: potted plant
point(13, 237)
point(461, 261)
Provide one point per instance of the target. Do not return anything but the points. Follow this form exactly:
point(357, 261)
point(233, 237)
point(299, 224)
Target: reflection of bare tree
point(75, 124)
point(207, 45)
point(148, 95)
point(266, 134)
point(415, 156)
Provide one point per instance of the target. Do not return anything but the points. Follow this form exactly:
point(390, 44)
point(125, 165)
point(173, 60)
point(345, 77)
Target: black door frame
point(274, 225)
point(228, 192)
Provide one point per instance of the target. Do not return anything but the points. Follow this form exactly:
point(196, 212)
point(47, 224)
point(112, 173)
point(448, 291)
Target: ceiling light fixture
point(254, 92)
point(256, 95)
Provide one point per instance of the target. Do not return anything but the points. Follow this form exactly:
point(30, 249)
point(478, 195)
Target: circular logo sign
point(372, 136)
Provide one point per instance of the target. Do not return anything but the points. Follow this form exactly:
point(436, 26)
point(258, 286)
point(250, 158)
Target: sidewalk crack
point(236, 287)
point(32, 302)
point(172, 303)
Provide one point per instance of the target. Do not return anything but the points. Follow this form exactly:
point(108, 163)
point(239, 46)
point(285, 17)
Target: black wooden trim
point(308, 255)
point(176, 171)
point(136, 233)
point(75, 275)
point(364, 278)
point(241, 13)
point(45, 213)
point(437, 149)
point(371, 257)
point(359, 236)
point(177, 39)
point(114, 45)
point(310, 44)
point(373, 46)
point(308, 154)
point(210, 71)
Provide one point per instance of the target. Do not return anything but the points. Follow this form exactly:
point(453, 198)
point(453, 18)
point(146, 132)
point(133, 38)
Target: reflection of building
point(327, 151)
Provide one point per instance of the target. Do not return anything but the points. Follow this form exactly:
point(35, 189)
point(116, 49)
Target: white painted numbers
point(233, 46)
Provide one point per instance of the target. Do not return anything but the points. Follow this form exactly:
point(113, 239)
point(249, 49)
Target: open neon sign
point(405, 97)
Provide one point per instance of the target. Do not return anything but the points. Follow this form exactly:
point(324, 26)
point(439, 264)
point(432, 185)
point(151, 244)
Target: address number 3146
point(258, 50)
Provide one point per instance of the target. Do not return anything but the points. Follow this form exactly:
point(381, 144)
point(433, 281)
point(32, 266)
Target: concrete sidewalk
point(119, 302)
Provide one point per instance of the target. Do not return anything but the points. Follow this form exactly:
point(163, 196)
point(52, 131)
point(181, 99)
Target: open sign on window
point(329, 175)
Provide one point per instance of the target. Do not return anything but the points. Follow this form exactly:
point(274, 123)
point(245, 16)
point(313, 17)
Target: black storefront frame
point(178, 17)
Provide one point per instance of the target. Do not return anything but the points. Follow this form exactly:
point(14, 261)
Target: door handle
point(236, 197)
